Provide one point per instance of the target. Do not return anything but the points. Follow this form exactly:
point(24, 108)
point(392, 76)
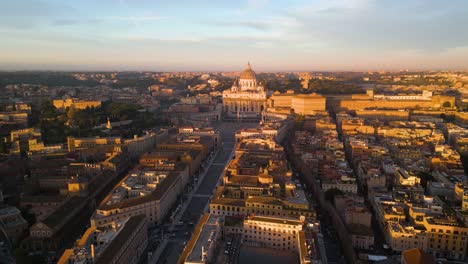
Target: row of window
point(269, 239)
point(274, 229)
point(272, 244)
point(447, 231)
point(253, 211)
point(41, 233)
point(270, 234)
point(111, 219)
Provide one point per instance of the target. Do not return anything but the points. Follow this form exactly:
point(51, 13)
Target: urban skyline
point(233, 132)
point(356, 35)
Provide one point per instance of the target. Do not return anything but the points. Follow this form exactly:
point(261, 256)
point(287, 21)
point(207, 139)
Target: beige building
point(306, 104)
point(272, 232)
point(20, 139)
point(384, 115)
point(402, 237)
point(405, 178)
point(260, 205)
point(85, 143)
point(12, 223)
point(303, 104)
point(14, 118)
point(281, 100)
point(139, 145)
point(344, 186)
point(395, 102)
point(76, 103)
point(119, 242)
point(30, 140)
point(446, 237)
point(201, 248)
point(430, 228)
point(148, 192)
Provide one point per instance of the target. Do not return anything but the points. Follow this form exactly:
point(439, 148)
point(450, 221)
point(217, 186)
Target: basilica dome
point(248, 74)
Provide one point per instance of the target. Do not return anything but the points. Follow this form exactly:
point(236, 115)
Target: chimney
point(203, 254)
point(92, 252)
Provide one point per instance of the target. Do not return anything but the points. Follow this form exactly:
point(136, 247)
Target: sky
point(223, 35)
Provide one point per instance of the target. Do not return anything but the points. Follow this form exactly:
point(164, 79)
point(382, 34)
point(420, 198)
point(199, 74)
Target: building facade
point(76, 103)
point(245, 99)
point(272, 232)
point(122, 241)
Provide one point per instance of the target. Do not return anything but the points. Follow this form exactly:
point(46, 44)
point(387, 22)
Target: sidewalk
point(195, 189)
point(165, 240)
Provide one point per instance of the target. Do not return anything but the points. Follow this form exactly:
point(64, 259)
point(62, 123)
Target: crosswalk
point(218, 164)
point(201, 195)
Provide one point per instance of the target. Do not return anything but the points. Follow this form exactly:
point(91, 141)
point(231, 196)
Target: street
point(202, 196)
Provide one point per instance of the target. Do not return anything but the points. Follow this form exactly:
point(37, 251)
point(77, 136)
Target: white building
point(149, 193)
point(272, 232)
point(245, 99)
point(202, 246)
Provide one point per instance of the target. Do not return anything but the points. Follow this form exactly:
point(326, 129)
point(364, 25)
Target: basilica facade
point(246, 99)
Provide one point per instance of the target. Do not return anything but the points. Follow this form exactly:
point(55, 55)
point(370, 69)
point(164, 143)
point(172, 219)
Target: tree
point(300, 120)
point(22, 257)
point(71, 112)
point(425, 179)
point(3, 146)
point(48, 110)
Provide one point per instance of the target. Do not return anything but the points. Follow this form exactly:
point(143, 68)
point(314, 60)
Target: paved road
point(202, 196)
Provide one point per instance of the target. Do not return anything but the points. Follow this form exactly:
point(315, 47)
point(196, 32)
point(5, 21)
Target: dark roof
point(115, 245)
point(60, 215)
point(358, 229)
point(42, 199)
point(416, 256)
point(49, 163)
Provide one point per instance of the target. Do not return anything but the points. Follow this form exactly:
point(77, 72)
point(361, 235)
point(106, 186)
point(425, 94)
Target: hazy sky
point(225, 34)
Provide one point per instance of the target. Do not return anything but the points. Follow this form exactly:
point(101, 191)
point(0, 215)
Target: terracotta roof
point(416, 256)
point(60, 214)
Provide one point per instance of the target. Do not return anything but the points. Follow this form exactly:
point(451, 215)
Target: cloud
point(29, 14)
point(31, 8)
point(380, 25)
point(258, 25)
point(107, 19)
point(262, 45)
point(256, 4)
point(174, 39)
point(133, 18)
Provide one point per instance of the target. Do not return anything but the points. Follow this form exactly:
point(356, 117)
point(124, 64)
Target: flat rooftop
point(274, 220)
point(206, 238)
point(258, 255)
point(298, 197)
